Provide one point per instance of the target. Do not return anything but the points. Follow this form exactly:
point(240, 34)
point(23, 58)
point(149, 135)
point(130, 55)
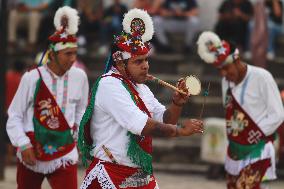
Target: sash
point(245, 137)
point(139, 148)
point(145, 142)
point(52, 135)
point(104, 175)
point(250, 177)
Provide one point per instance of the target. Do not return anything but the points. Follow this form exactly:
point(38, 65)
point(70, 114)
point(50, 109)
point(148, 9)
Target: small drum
point(193, 84)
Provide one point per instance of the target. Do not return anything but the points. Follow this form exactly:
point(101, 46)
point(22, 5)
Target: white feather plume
point(204, 39)
point(142, 14)
point(72, 16)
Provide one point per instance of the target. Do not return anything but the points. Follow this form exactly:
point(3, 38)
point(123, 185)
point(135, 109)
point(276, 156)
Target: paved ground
point(165, 180)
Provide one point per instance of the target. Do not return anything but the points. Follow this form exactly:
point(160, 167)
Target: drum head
point(193, 84)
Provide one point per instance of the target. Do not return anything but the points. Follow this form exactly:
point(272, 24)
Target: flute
point(161, 82)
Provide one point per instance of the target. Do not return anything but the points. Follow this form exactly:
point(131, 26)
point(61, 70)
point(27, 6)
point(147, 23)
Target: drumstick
point(206, 93)
point(161, 82)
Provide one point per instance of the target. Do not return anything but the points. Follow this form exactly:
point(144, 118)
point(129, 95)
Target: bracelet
point(24, 147)
point(179, 105)
point(177, 131)
point(177, 127)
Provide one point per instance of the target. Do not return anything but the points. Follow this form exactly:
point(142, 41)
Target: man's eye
point(139, 61)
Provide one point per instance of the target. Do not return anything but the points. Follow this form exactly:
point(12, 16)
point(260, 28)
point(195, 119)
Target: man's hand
point(189, 127)
point(28, 156)
point(178, 98)
point(158, 129)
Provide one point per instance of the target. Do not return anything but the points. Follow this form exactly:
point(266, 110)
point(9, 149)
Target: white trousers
point(163, 25)
point(31, 20)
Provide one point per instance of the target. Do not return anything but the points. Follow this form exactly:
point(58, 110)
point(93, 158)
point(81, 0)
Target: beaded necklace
point(54, 88)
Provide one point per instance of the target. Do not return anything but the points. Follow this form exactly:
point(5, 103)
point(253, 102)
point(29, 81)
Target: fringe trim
point(101, 174)
point(135, 153)
point(138, 156)
point(50, 166)
point(83, 145)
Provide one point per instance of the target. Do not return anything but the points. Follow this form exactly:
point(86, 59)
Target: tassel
point(138, 156)
point(83, 145)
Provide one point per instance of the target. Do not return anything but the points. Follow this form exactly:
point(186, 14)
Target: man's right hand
point(28, 156)
point(189, 127)
point(158, 129)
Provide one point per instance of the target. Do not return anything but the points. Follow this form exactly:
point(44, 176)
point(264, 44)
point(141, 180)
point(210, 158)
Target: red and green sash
point(144, 142)
point(139, 148)
point(245, 137)
point(52, 135)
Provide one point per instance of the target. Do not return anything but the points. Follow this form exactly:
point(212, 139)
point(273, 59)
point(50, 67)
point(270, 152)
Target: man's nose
point(73, 57)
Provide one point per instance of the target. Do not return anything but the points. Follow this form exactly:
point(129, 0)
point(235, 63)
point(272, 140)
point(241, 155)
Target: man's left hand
point(178, 98)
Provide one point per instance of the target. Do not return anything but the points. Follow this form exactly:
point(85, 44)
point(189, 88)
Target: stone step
point(182, 149)
point(210, 110)
point(181, 168)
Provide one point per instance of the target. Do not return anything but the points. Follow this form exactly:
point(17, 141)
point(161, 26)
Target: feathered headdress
point(137, 31)
point(214, 51)
point(66, 21)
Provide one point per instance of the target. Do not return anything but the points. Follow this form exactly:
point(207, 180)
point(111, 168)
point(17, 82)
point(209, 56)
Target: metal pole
point(3, 55)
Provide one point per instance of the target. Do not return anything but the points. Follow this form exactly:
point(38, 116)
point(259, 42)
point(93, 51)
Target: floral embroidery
point(138, 179)
point(237, 123)
point(49, 149)
point(248, 178)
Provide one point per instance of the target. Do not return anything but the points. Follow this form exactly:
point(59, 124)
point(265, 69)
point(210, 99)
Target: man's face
point(230, 72)
point(66, 58)
point(138, 68)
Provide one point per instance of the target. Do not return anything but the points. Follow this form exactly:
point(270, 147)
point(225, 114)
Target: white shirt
point(21, 110)
point(115, 114)
point(259, 96)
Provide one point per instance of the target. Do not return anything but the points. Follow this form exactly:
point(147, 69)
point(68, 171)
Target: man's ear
point(119, 65)
point(51, 55)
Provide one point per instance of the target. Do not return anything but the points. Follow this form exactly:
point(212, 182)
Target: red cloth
point(61, 178)
point(46, 110)
point(120, 176)
point(250, 177)
point(13, 79)
point(250, 133)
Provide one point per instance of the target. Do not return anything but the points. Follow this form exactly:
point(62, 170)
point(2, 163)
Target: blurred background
point(192, 162)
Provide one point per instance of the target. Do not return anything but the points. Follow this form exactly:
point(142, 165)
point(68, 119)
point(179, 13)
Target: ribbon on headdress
point(214, 51)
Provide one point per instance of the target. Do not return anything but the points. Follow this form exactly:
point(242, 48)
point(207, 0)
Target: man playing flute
point(123, 115)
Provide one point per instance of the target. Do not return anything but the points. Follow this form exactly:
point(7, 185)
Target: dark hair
point(233, 46)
